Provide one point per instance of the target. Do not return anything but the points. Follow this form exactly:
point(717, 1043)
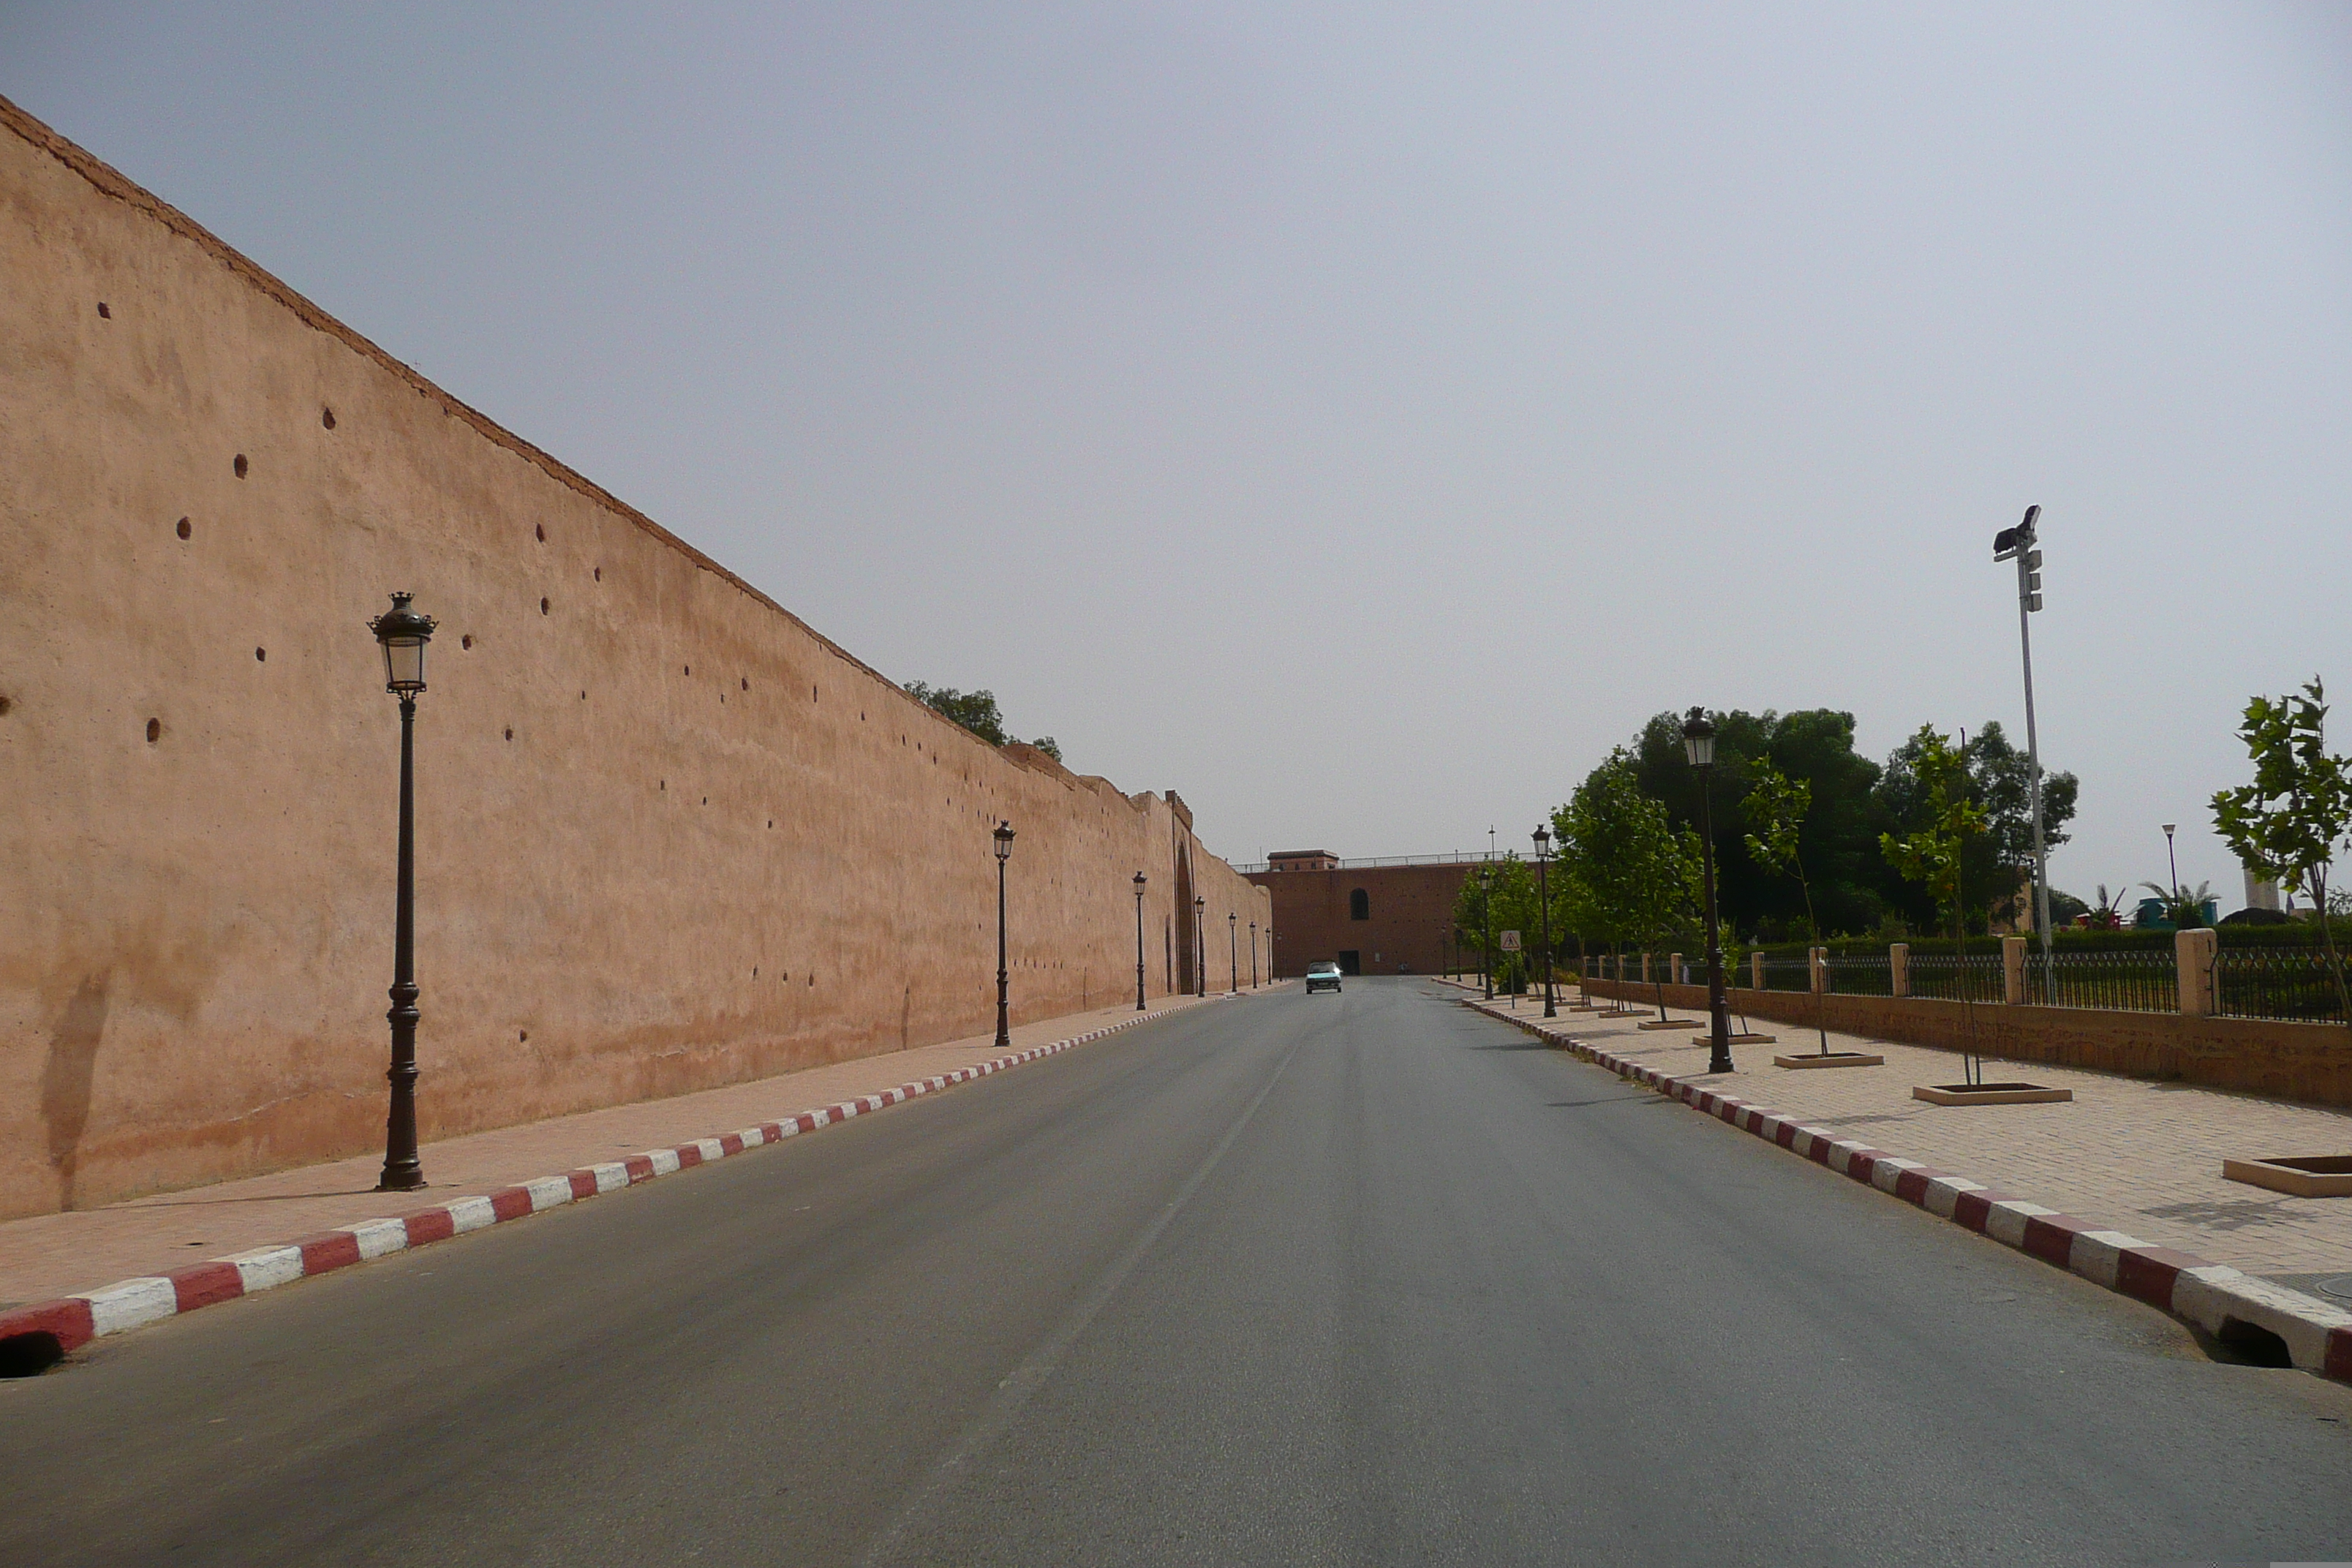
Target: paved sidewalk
point(2140, 1155)
point(51, 1256)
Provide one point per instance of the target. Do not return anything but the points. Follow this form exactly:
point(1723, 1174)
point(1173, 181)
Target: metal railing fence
point(1860, 975)
point(2294, 984)
point(2123, 981)
point(1953, 978)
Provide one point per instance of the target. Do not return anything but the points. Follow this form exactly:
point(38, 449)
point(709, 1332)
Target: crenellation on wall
point(629, 800)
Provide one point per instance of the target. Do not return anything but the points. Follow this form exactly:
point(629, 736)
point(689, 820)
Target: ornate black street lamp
point(402, 634)
point(1139, 942)
point(1003, 976)
point(1232, 953)
point(1487, 914)
point(1543, 907)
point(1199, 945)
point(1698, 742)
point(1253, 955)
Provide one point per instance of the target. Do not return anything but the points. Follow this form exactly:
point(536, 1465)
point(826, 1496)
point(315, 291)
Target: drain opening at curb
point(2251, 1345)
point(29, 1356)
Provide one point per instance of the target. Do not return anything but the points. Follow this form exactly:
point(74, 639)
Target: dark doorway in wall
point(1187, 973)
point(1359, 905)
point(1350, 961)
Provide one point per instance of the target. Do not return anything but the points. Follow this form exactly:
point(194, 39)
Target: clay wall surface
point(667, 836)
point(2310, 1062)
point(1410, 913)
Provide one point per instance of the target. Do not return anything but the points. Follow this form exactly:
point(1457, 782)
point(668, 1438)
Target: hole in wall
point(583, 697)
point(184, 528)
point(688, 668)
point(600, 574)
point(6, 703)
point(510, 731)
point(327, 417)
point(260, 655)
point(154, 731)
point(747, 683)
point(522, 1036)
point(103, 314)
point(239, 465)
point(3, 708)
point(466, 641)
point(540, 528)
point(542, 606)
point(665, 784)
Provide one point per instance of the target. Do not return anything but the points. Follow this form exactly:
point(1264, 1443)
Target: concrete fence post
point(1817, 964)
point(2192, 957)
point(1646, 969)
point(2012, 970)
point(1899, 968)
point(1756, 969)
point(1675, 969)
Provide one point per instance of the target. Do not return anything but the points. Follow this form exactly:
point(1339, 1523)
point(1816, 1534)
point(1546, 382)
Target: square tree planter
point(1990, 1094)
point(1674, 1024)
point(2298, 1175)
point(1830, 1060)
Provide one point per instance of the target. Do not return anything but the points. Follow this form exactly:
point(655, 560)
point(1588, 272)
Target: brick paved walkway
point(48, 1256)
point(2140, 1155)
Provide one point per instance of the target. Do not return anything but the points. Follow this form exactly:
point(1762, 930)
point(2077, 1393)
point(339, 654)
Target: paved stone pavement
point(2141, 1155)
point(48, 1256)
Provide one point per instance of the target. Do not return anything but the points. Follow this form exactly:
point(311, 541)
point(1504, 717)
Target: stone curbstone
point(2205, 1294)
point(74, 1321)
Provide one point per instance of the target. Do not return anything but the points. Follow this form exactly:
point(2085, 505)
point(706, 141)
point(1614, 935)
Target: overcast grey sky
point(1360, 417)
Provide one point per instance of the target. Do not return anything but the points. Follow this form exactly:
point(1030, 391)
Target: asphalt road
point(1350, 1279)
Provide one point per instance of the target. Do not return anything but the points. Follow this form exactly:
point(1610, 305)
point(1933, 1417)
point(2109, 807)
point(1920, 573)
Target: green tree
point(976, 711)
point(1775, 809)
point(2289, 823)
point(1934, 854)
point(1996, 778)
point(1637, 873)
point(1843, 891)
point(2184, 908)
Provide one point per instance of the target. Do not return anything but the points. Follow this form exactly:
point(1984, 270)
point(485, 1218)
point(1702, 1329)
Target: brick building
point(1376, 917)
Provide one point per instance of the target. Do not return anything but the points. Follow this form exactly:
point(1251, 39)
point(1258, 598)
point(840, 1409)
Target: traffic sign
point(1510, 942)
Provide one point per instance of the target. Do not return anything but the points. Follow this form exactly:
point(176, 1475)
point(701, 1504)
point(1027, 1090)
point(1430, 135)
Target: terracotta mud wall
point(2310, 1062)
point(1408, 915)
point(668, 836)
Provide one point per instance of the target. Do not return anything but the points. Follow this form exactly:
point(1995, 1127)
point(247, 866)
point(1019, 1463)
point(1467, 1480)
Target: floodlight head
point(2010, 541)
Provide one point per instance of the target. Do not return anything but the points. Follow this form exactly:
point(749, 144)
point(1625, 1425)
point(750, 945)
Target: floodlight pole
point(2020, 546)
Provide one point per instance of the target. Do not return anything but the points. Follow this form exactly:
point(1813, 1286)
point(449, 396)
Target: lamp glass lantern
point(1698, 740)
point(402, 632)
point(1003, 841)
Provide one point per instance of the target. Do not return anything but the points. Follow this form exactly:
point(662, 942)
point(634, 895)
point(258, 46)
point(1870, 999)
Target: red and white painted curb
point(2211, 1296)
point(74, 1321)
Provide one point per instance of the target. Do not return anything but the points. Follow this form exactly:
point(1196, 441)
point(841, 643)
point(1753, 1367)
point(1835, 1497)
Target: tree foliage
point(1934, 853)
point(1775, 808)
point(976, 711)
point(1996, 778)
point(1632, 875)
point(2289, 823)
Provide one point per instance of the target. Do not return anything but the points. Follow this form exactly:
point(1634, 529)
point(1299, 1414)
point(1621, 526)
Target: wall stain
point(65, 1078)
